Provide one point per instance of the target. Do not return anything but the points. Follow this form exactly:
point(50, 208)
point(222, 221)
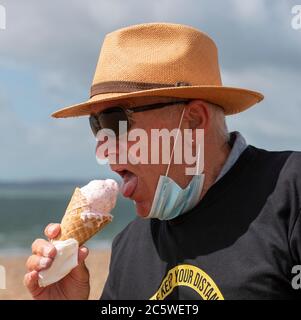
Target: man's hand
point(75, 286)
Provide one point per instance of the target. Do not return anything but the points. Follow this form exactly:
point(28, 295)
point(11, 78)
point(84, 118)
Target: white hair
point(217, 115)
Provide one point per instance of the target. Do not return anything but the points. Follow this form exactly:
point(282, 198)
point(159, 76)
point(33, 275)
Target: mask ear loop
point(198, 161)
point(173, 148)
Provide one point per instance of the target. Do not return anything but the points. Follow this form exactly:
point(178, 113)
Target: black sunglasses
point(109, 119)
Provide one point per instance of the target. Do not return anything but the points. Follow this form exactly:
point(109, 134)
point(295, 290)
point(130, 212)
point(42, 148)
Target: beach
point(97, 262)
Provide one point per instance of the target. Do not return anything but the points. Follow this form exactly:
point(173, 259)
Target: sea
point(27, 208)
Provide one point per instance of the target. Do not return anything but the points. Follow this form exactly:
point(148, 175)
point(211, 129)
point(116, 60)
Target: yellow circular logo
point(189, 276)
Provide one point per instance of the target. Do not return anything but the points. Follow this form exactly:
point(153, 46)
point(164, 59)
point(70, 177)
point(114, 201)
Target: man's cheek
point(144, 184)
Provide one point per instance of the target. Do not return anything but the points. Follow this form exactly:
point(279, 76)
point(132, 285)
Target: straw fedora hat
point(159, 60)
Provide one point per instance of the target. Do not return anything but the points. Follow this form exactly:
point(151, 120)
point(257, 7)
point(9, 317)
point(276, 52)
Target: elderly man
point(231, 232)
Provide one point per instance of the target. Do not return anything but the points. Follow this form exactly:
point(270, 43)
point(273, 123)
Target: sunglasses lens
point(108, 119)
point(94, 124)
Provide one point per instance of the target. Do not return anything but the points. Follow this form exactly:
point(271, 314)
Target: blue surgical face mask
point(170, 199)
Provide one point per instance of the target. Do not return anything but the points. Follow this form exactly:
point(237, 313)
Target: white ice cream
point(101, 196)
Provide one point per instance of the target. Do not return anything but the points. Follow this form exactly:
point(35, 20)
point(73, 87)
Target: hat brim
point(232, 100)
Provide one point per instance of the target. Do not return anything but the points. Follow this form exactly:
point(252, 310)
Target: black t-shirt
point(240, 242)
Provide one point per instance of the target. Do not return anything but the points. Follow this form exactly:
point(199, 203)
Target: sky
point(49, 51)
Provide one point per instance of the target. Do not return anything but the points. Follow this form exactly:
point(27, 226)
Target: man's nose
point(113, 150)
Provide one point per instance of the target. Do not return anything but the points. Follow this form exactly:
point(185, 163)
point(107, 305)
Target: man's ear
point(197, 114)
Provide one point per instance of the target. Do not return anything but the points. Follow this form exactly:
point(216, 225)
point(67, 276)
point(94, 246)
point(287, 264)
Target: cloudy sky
point(48, 54)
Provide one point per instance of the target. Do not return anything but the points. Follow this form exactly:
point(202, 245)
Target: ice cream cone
point(74, 226)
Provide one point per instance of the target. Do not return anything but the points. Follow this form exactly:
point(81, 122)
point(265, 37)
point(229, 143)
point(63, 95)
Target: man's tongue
point(129, 185)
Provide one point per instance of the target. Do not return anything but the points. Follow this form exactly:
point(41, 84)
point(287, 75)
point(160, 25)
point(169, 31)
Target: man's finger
point(31, 282)
point(83, 253)
point(38, 263)
point(52, 230)
point(44, 248)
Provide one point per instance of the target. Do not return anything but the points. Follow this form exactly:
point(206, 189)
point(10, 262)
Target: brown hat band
point(130, 86)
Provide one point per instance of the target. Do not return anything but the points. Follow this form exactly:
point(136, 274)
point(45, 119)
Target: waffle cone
point(72, 226)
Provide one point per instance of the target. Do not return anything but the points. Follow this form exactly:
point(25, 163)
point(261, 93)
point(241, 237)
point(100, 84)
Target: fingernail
point(84, 250)
point(32, 275)
point(51, 228)
point(44, 262)
point(46, 251)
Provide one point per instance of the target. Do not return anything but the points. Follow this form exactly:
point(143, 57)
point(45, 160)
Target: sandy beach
point(97, 262)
